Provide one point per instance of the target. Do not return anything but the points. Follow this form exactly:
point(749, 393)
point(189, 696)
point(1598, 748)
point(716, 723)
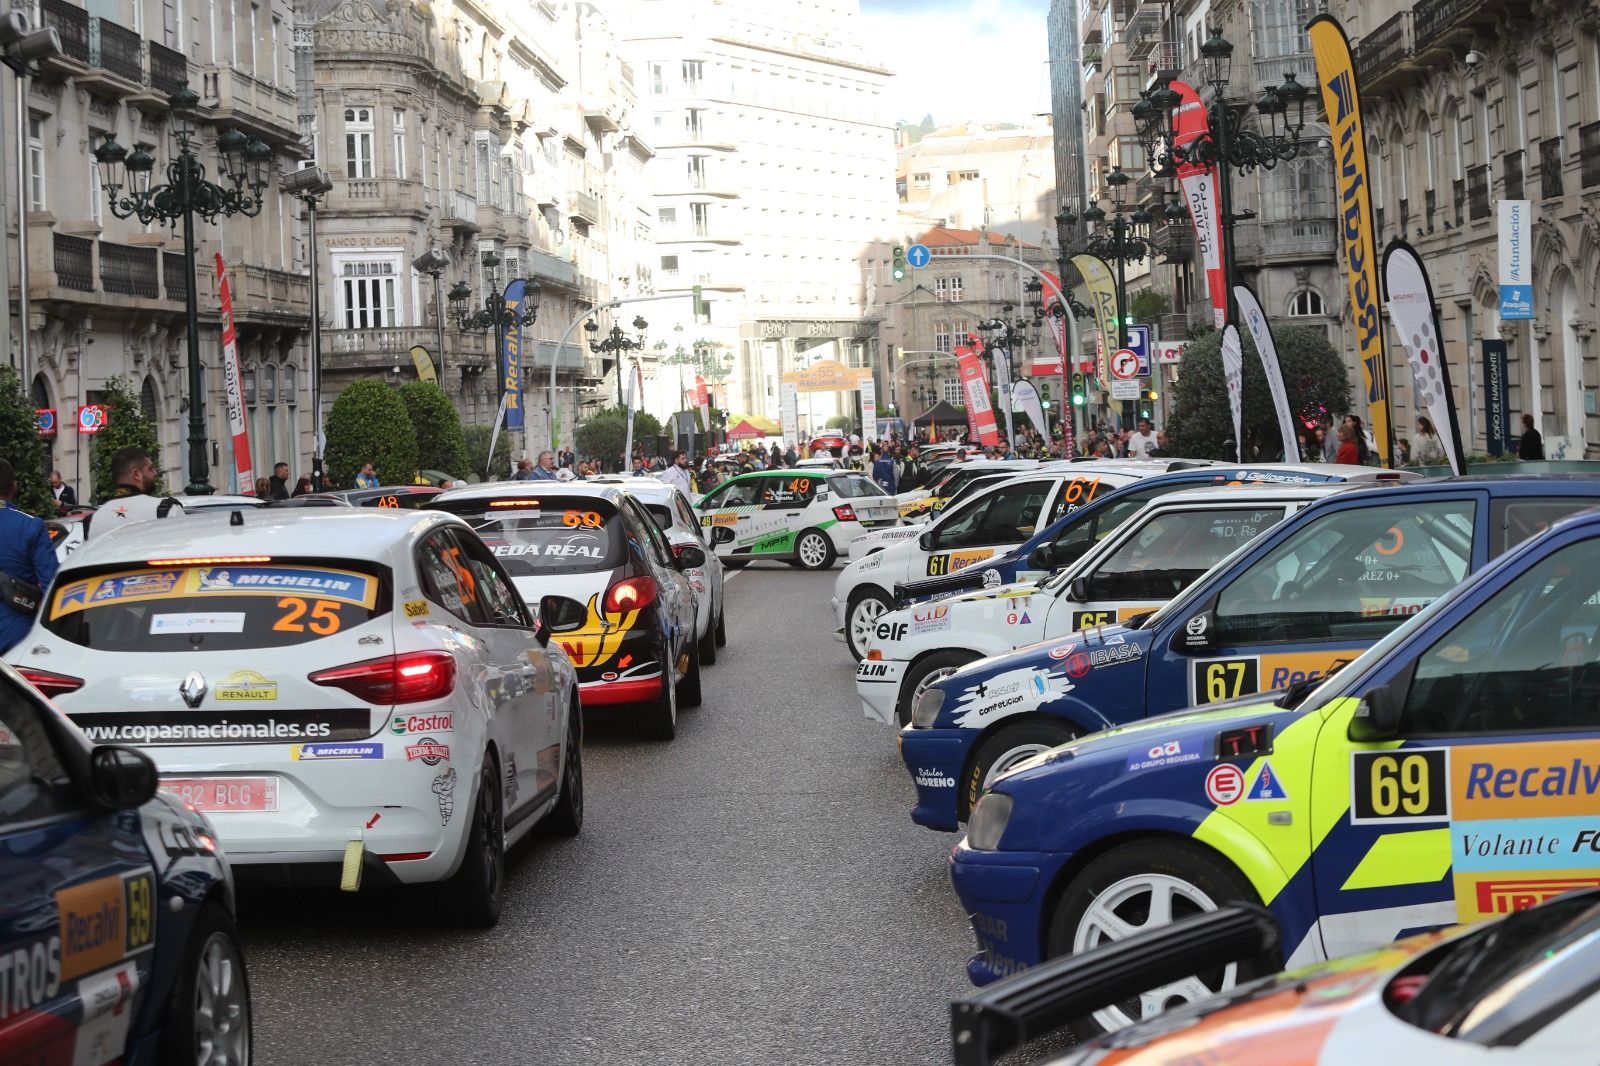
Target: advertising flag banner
point(511, 359)
point(1496, 397)
point(1255, 321)
point(1410, 299)
point(869, 409)
point(1064, 327)
point(424, 364)
point(1027, 398)
point(1199, 182)
point(1042, 364)
point(1336, 76)
point(702, 402)
point(1002, 380)
point(233, 388)
point(1233, 373)
point(980, 413)
point(789, 410)
point(1102, 300)
point(1516, 272)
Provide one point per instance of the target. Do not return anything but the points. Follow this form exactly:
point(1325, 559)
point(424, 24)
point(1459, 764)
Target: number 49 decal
point(1403, 785)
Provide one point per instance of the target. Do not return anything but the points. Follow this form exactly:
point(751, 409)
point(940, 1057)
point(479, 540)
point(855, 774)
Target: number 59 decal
point(1401, 785)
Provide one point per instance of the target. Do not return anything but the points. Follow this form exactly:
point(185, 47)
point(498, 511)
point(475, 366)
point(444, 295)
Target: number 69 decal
point(1402, 785)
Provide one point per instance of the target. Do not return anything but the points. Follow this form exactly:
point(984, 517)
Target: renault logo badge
point(193, 689)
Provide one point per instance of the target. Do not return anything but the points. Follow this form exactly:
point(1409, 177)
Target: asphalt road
point(753, 892)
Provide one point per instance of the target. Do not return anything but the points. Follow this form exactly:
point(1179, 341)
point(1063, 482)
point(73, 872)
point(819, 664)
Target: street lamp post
point(245, 163)
point(616, 344)
point(310, 184)
point(1226, 143)
point(496, 314)
point(1124, 240)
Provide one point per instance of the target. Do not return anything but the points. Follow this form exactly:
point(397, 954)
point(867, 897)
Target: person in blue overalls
point(27, 563)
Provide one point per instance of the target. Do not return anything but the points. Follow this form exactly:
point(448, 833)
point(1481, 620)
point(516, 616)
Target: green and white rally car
point(804, 517)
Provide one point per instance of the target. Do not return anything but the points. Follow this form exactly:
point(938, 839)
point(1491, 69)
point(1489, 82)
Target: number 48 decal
point(1402, 785)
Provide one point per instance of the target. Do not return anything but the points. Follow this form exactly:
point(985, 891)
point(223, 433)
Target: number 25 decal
point(1403, 785)
point(324, 616)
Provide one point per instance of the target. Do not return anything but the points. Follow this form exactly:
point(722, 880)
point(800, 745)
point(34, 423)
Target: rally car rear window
point(547, 534)
point(217, 607)
point(854, 486)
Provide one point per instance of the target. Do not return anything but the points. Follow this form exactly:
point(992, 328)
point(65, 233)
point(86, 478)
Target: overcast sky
point(962, 59)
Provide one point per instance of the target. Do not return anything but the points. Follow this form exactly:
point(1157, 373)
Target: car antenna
point(236, 518)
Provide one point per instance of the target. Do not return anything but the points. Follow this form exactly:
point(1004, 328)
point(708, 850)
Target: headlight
point(927, 707)
point(988, 821)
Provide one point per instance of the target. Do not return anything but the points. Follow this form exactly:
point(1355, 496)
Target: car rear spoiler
point(1022, 1008)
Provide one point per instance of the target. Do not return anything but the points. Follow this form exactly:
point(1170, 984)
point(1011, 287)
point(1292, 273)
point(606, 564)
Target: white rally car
point(923, 503)
point(978, 528)
point(806, 518)
point(347, 694)
point(1146, 561)
point(992, 472)
point(672, 512)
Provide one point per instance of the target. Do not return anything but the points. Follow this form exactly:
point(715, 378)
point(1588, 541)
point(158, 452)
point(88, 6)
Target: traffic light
point(1078, 393)
point(899, 269)
point(699, 304)
point(1147, 402)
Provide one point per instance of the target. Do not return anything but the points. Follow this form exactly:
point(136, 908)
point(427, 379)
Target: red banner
point(981, 425)
point(233, 385)
point(1189, 124)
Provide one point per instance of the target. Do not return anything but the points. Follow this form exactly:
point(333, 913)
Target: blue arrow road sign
point(918, 255)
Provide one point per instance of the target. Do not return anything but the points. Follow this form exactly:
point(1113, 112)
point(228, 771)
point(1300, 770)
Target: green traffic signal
point(899, 269)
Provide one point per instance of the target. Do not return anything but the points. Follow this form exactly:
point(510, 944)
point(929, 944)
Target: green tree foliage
point(477, 445)
point(368, 423)
point(20, 443)
point(838, 422)
point(1147, 305)
point(1201, 427)
point(440, 443)
point(126, 427)
point(604, 433)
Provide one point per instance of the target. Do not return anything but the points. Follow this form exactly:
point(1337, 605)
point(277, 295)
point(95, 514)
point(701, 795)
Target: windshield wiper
point(1299, 690)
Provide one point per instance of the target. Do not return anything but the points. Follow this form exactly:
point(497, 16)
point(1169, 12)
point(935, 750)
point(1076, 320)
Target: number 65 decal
point(1403, 785)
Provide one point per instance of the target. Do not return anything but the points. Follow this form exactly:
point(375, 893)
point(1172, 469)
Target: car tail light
point(390, 679)
point(630, 594)
point(844, 513)
point(50, 685)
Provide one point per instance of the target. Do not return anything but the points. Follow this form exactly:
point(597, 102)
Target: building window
point(272, 62)
point(920, 181)
point(952, 393)
point(368, 294)
point(693, 71)
point(481, 169)
point(658, 80)
point(1130, 156)
point(941, 336)
point(667, 217)
point(400, 143)
point(1128, 82)
point(955, 290)
point(36, 174)
point(956, 177)
point(700, 215)
point(697, 171)
point(1306, 302)
point(669, 264)
point(358, 142)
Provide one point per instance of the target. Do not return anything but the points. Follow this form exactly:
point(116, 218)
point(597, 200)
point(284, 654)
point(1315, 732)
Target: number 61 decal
point(1400, 785)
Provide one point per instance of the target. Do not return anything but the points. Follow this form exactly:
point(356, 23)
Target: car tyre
point(660, 720)
point(208, 1018)
point(866, 607)
point(722, 627)
point(1133, 884)
point(708, 644)
point(566, 817)
point(924, 673)
point(689, 687)
point(473, 895)
point(814, 551)
point(1003, 749)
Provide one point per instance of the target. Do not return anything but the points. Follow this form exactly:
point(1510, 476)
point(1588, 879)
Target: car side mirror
point(1377, 716)
point(721, 535)
point(688, 557)
point(558, 614)
point(925, 540)
point(1078, 591)
point(121, 778)
point(1198, 633)
point(1041, 557)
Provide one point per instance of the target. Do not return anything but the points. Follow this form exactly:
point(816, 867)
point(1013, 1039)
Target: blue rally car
point(117, 939)
point(1311, 593)
point(1450, 773)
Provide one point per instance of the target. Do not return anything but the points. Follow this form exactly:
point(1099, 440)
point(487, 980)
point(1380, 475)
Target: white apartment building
point(773, 176)
point(995, 177)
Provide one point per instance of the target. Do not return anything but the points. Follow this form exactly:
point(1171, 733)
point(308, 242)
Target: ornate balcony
point(378, 349)
point(1383, 55)
point(168, 69)
point(173, 276)
point(71, 24)
point(1295, 240)
point(584, 208)
point(1511, 170)
point(116, 49)
point(129, 271)
point(74, 262)
point(1589, 154)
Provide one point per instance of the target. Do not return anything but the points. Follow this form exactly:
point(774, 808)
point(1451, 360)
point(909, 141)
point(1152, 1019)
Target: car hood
point(998, 592)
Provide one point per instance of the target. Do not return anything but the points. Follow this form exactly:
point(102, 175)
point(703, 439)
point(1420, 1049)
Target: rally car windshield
point(548, 535)
point(216, 607)
point(854, 486)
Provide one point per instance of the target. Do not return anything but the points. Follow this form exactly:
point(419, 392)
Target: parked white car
point(349, 695)
point(803, 517)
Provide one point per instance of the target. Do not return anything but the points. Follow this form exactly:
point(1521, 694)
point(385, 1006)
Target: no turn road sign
point(1125, 364)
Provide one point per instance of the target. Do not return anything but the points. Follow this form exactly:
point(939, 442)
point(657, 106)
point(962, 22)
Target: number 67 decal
point(1410, 785)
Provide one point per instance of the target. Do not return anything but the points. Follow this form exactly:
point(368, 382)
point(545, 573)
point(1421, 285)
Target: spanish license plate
point(224, 794)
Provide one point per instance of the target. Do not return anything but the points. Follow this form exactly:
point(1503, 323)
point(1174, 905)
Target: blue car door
point(77, 902)
point(1316, 597)
point(1483, 799)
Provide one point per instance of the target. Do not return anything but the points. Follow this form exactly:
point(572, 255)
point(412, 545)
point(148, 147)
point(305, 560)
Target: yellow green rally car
point(1451, 772)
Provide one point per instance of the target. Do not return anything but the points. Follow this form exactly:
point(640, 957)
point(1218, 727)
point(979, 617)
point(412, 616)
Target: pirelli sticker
point(104, 921)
